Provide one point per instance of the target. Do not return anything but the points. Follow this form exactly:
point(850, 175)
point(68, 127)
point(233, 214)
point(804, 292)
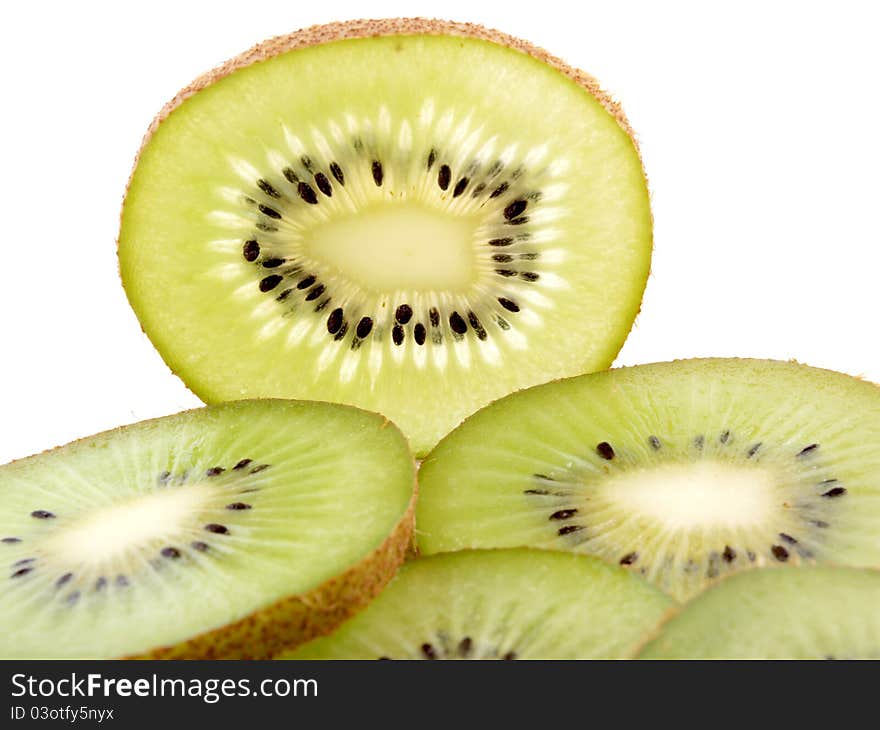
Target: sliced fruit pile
point(417, 218)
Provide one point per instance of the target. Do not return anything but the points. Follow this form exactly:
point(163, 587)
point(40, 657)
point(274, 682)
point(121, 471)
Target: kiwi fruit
point(815, 612)
point(500, 604)
point(227, 532)
point(683, 472)
point(411, 216)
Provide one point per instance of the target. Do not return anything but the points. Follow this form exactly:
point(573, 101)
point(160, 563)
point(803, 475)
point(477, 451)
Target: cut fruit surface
point(500, 604)
point(682, 471)
point(814, 612)
point(226, 532)
point(414, 217)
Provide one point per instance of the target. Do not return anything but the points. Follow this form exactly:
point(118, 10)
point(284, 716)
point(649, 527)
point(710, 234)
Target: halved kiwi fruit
point(681, 471)
point(411, 216)
point(816, 612)
point(226, 532)
point(500, 604)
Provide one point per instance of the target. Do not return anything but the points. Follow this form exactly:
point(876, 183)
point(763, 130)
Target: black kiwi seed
point(42, 514)
point(428, 651)
point(164, 477)
point(336, 171)
point(508, 304)
point(502, 258)
point(364, 327)
point(477, 326)
point(729, 554)
point(238, 506)
point(403, 314)
point(315, 293)
point(215, 471)
point(270, 212)
point(807, 450)
point(267, 188)
point(434, 316)
point(10, 540)
point(458, 325)
point(563, 514)
point(272, 263)
point(270, 282)
point(323, 303)
point(397, 334)
point(199, 545)
point(377, 172)
point(250, 250)
point(323, 184)
point(306, 162)
point(432, 158)
point(334, 321)
point(536, 491)
point(629, 558)
point(788, 538)
point(261, 467)
point(475, 193)
point(529, 256)
point(460, 187)
point(21, 571)
point(419, 333)
point(306, 282)
point(284, 295)
point(464, 646)
point(170, 552)
point(835, 492)
point(290, 175)
point(510, 656)
point(502, 323)
point(655, 442)
point(307, 193)
point(754, 450)
point(23, 561)
point(266, 227)
point(217, 529)
point(444, 176)
point(500, 190)
point(821, 523)
point(500, 241)
point(605, 450)
point(724, 437)
point(66, 578)
point(514, 209)
point(780, 553)
point(568, 529)
point(529, 276)
point(699, 442)
point(505, 272)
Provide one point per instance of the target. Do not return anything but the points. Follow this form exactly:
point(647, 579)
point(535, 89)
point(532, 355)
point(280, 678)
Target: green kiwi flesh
point(414, 217)
point(226, 532)
point(683, 472)
point(815, 612)
point(500, 604)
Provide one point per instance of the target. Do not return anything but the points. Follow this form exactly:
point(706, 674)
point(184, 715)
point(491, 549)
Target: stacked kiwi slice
point(433, 227)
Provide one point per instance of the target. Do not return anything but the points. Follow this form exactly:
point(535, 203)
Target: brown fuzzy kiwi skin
point(295, 620)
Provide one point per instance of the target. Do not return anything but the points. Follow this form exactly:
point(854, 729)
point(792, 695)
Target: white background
point(759, 125)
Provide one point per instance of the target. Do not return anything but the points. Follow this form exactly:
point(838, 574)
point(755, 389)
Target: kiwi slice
point(682, 471)
point(414, 217)
point(817, 612)
point(500, 604)
point(226, 532)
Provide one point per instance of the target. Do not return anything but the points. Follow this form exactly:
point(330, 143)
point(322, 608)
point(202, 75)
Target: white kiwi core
point(399, 245)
